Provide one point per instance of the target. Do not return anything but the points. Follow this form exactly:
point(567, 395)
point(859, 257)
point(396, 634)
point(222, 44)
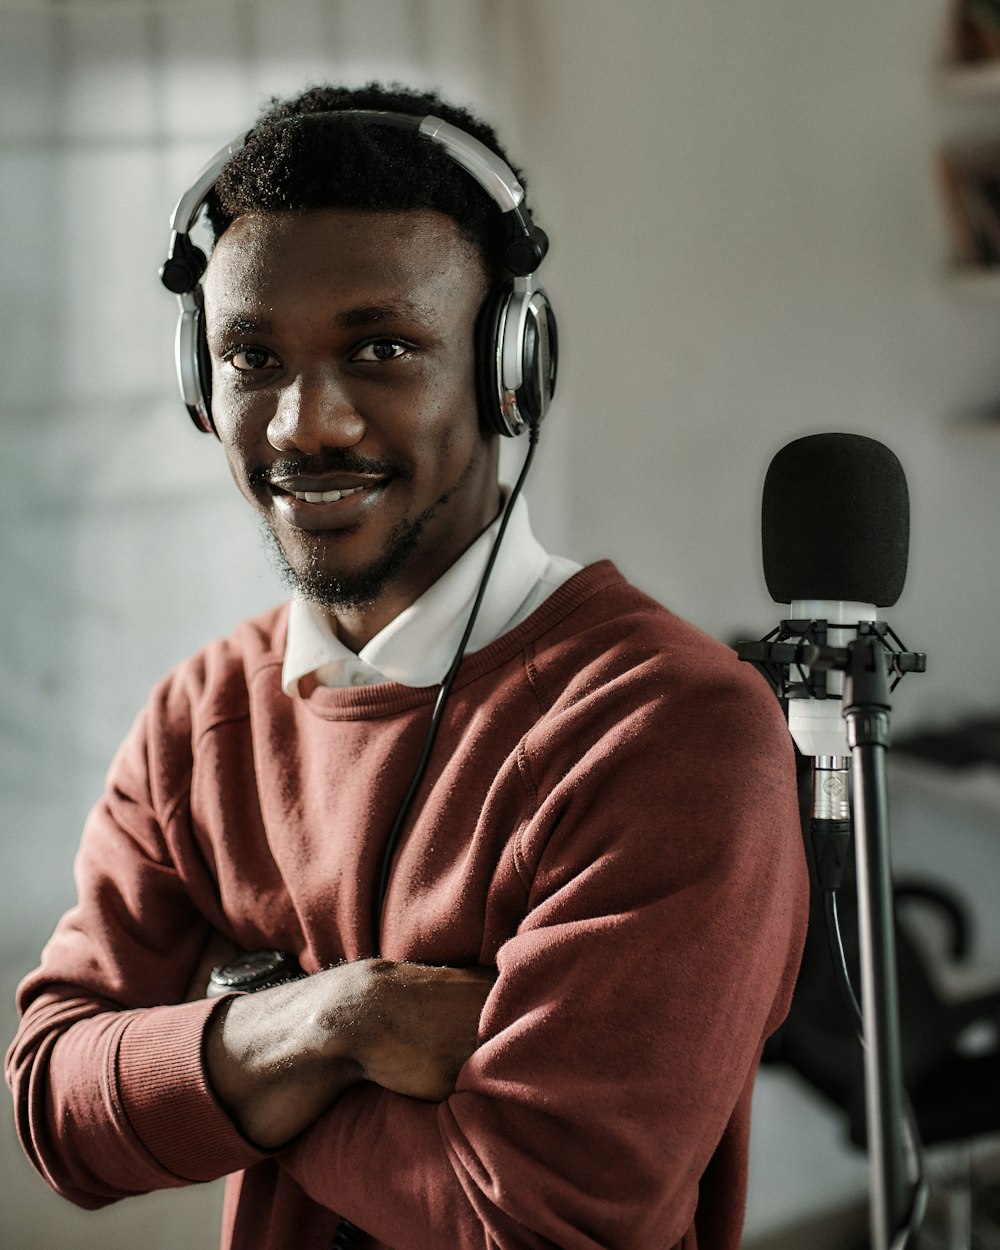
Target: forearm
point(278, 1058)
point(111, 1103)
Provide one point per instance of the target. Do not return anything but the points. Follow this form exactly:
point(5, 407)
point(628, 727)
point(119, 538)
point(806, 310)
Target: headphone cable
point(444, 692)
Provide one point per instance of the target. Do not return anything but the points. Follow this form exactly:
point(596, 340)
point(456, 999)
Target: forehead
point(339, 256)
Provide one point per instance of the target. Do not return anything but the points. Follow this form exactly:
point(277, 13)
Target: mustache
point(334, 460)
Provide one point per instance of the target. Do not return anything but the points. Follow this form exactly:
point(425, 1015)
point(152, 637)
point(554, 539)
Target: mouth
point(327, 501)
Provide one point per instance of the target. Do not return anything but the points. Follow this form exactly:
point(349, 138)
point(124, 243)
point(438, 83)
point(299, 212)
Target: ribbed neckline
point(391, 698)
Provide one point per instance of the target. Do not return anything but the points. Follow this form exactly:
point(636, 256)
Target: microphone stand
point(866, 711)
point(793, 658)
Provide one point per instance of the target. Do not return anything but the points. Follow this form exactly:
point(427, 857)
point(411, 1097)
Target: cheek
point(447, 430)
point(239, 432)
point(449, 418)
point(239, 469)
point(238, 417)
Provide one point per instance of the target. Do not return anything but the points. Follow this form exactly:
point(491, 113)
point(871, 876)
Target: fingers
point(423, 1026)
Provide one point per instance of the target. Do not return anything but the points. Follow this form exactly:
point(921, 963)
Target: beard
point(341, 589)
point(346, 590)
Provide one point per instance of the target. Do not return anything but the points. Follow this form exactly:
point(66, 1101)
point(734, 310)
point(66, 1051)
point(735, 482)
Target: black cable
point(838, 958)
point(347, 1236)
point(906, 1236)
point(444, 692)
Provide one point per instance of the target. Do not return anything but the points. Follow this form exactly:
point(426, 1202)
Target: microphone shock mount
point(795, 657)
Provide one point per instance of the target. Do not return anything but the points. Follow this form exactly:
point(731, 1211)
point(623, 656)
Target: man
point(593, 912)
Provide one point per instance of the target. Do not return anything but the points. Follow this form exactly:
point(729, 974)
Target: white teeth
point(325, 496)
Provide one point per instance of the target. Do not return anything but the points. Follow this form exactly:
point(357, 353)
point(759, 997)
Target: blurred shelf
point(980, 282)
point(982, 426)
point(972, 81)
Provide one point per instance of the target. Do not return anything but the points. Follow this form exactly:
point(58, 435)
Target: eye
point(381, 350)
point(250, 359)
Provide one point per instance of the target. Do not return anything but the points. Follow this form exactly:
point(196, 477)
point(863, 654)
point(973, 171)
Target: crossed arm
point(677, 922)
point(278, 1058)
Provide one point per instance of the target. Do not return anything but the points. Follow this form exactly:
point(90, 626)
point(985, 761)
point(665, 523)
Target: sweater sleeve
point(106, 1069)
point(609, 1096)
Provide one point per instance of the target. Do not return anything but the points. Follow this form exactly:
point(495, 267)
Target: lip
point(338, 514)
point(319, 482)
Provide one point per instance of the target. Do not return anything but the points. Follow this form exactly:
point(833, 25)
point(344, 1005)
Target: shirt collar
point(416, 648)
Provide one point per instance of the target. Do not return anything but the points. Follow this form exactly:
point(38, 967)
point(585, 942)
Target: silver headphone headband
point(492, 173)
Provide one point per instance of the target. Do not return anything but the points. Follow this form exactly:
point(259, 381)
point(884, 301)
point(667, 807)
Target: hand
point(278, 1058)
point(419, 1026)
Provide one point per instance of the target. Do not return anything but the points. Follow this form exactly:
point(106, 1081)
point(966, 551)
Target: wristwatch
point(258, 970)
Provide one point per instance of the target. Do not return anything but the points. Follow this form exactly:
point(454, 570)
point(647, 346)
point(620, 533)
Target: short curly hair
point(322, 161)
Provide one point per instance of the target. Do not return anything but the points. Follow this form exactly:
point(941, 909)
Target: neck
point(356, 626)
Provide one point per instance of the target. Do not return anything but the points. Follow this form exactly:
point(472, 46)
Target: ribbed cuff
point(166, 1096)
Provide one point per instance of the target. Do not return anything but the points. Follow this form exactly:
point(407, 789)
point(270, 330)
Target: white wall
point(754, 252)
point(746, 248)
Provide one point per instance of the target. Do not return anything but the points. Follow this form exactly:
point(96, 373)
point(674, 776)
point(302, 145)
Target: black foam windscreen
point(835, 522)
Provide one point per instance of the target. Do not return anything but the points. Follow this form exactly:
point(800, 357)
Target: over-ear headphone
point(516, 332)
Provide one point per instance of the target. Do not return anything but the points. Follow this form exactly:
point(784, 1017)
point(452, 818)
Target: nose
point(314, 413)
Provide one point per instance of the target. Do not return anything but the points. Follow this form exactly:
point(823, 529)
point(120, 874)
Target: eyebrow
point(351, 318)
point(243, 325)
point(374, 313)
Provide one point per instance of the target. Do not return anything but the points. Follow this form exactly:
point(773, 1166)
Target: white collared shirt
point(416, 648)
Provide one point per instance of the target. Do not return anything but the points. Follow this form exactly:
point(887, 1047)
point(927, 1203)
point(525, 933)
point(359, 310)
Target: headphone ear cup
point(203, 374)
point(194, 367)
point(515, 359)
point(488, 383)
point(538, 353)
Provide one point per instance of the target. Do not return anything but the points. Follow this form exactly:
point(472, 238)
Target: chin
point(341, 586)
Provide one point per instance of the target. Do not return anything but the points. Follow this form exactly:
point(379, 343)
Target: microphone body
point(817, 725)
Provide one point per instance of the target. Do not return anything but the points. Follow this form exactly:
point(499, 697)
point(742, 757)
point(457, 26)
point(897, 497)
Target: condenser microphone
point(835, 530)
point(835, 537)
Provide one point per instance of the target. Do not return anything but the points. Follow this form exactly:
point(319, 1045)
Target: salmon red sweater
point(609, 819)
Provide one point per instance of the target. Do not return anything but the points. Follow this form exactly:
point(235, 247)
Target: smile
point(305, 505)
point(324, 496)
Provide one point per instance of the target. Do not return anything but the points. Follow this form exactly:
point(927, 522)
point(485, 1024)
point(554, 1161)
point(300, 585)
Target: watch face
point(254, 971)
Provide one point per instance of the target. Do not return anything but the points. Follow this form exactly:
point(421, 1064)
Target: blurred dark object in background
point(976, 31)
point(971, 742)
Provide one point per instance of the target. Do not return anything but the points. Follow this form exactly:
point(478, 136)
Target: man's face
point(344, 395)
